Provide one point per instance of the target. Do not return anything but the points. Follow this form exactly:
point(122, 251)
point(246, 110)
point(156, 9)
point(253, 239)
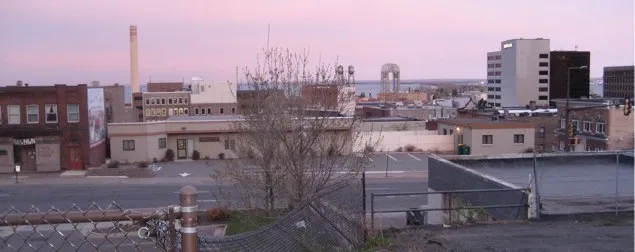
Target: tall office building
point(618, 81)
point(518, 74)
point(559, 74)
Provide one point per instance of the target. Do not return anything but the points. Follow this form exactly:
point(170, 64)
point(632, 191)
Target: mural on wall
point(96, 116)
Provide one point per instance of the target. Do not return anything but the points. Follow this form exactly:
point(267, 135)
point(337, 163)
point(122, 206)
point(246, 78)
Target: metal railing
point(449, 208)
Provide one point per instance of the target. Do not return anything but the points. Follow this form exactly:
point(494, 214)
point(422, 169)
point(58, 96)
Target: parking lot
point(393, 163)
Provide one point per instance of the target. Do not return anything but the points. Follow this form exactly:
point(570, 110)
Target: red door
point(75, 159)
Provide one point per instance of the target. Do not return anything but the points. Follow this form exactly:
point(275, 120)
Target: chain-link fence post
point(189, 218)
point(617, 179)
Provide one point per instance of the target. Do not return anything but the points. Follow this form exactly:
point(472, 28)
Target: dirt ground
point(559, 235)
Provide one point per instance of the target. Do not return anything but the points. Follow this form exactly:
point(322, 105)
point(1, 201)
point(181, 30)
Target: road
point(129, 196)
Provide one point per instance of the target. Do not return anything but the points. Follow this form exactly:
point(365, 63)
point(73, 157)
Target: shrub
point(221, 155)
point(400, 149)
point(529, 150)
point(218, 214)
point(143, 164)
point(196, 155)
point(113, 164)
point(169, 155)
point(369, 148)
point(163, 160)
point(155, 160)
point(206, 157)
point(418, 150)
point(331, 151)
point(410, 148)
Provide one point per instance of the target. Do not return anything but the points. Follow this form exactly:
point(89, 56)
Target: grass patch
point(243, 222)
point(377, 242)
point(612, 222)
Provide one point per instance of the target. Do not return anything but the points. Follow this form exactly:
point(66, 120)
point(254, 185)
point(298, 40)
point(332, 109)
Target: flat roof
point(567, 182)
point(486, 123)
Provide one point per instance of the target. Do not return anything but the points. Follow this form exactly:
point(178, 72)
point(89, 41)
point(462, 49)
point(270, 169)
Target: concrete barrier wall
point(426, 140)
point(444, 175)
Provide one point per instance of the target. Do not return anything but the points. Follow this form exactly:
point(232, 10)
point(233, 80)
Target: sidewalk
point(56, 179)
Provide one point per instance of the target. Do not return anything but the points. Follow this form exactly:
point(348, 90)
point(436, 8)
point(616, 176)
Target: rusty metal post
point(171, 217)
point(189, 221)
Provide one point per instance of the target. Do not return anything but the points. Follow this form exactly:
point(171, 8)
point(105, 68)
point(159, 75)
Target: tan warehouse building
point(145, 141)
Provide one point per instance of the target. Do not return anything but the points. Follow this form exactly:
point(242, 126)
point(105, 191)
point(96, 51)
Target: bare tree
point(293, 143)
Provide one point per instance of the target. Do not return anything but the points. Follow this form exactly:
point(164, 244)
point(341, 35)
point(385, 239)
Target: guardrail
point(450, 208)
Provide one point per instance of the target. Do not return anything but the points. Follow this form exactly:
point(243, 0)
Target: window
point(209, 111)
point(543, 89)
point(203, 111)
point(222, 111)
point(147, 101)
point(575, 124)
point(186, 111)
point(32, 114)
point(164, 112)
point(543, 72)
point(490, 89)
point(163, 101)
point(230, 144)
point(543, 64)
point(488, 139)
point(543, 98)
point(147, 112)
point(497, 96)
point(180, 100)
point(497, 81)
point(50, 110)
point(600, 128)
point(196, 111)
point(451, 132)
point(543, 81)
point(519, 138)
point(497, 65)
point(490, 81)
point(497, 73)
point(128, 145)
point(185, 100)
point(541, 132)
point(497, 104)
point(169, 100)
point(181, 111)
point(170, 112)
point(233, 110)
point(498, 89)
point(445, 131)
point(162, 143)
point(13, 112)
point(73, 113)
point(152, 101)
point(543, 56)
point(563, 124)
point(587, 126)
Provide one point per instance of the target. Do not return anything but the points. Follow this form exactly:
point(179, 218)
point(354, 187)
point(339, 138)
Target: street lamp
point(566, 106)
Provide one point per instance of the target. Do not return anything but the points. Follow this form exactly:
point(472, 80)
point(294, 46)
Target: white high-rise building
point(516, 73)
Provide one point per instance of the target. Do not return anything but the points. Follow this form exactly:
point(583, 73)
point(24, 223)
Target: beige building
point(487, 137)
point(161, 105)
point(144, 141)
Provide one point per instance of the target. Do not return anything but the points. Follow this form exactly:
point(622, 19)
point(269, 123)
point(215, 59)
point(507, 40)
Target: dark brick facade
point(70, 135)
point(443, 175)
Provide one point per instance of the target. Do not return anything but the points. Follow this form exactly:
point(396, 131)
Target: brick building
point(598, 124)
point(51, 128)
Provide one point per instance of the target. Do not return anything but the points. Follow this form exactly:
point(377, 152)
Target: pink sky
point(75, 41)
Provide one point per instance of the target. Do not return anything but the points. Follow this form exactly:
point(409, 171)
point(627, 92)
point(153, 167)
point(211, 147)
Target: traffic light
point(574, 141)
point(570, 130)
point(628, 105)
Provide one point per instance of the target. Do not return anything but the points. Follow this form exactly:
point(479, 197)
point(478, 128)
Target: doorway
point(75, 161)
point(181, 148)
point(25, 156)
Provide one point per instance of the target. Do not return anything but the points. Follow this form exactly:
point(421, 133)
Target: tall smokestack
point(134, 60)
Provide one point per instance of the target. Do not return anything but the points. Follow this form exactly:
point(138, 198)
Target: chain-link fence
point(332, 222)
point(82, 229)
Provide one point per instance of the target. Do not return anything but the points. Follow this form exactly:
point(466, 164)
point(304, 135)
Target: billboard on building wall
point(96, 116)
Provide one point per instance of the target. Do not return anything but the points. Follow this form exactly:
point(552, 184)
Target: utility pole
point(569, 125)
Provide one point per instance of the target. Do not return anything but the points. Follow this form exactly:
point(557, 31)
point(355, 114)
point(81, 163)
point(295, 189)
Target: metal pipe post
point(617, 179)
point(189, 219)
point(535, 181)
point(372, 210)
